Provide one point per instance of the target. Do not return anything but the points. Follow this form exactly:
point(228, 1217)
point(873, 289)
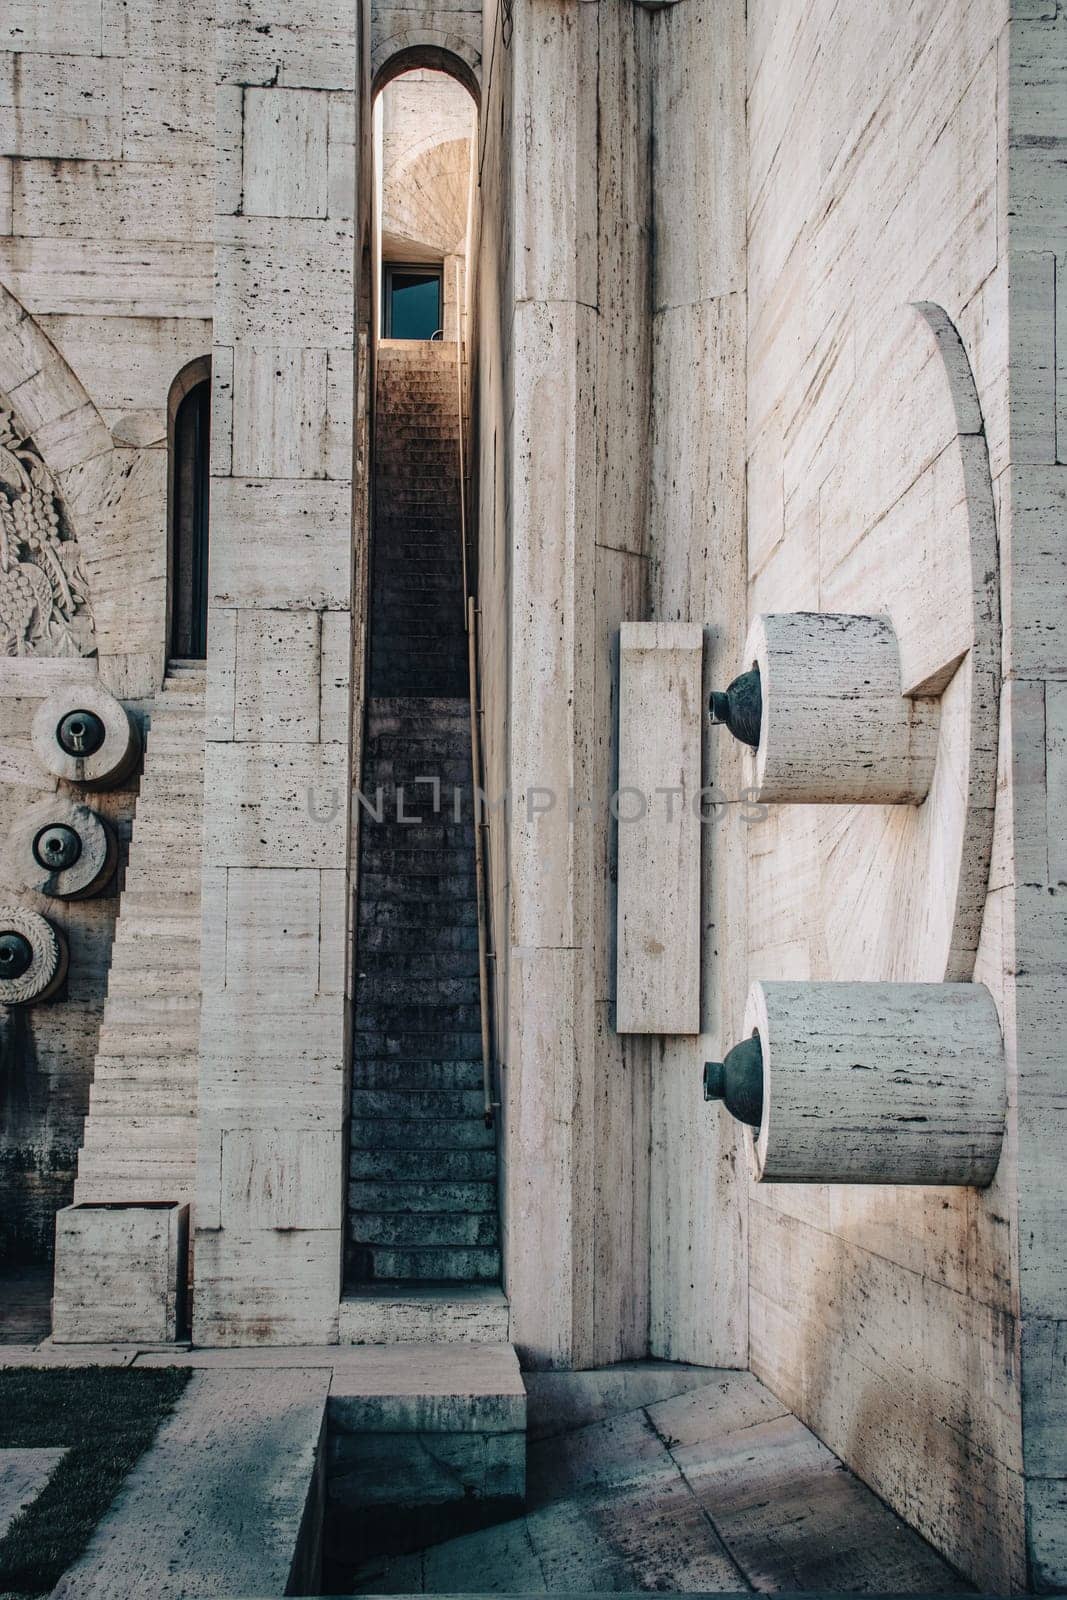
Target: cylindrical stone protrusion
point(835, 728)
point(878, 1083)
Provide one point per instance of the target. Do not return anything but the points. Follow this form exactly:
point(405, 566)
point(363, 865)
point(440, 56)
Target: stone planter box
point(120, 1274)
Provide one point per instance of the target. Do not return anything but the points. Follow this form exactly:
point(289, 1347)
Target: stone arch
point(430, 49)
point(190, 588)
point(196, 371)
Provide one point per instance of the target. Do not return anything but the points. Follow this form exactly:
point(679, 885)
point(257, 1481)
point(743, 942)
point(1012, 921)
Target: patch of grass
point(106, 1416)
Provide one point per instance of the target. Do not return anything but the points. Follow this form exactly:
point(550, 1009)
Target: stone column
point(550, 1048)
point(1025, 930)
point(276, 886)
point(699, 1206)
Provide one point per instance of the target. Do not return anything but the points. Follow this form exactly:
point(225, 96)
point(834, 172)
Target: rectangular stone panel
point(282, 1178)
point(658, 925)
point(285, 172)
point(281, 544)
point(285, 805)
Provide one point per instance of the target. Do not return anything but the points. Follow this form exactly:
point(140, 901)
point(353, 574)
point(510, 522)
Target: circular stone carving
point(61, 848)
point(83, 734)
point(48, 956)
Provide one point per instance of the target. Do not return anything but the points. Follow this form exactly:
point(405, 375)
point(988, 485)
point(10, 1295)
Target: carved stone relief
point(44, 598)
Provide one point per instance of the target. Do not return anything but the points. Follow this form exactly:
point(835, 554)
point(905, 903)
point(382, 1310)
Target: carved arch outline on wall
point(904, 887)
point(976, 844)
point(49, 433)
point(73, 442)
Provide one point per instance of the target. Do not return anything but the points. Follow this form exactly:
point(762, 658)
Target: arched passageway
point(423, 1193)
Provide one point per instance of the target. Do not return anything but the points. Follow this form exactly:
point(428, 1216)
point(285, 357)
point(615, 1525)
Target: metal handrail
point(470, 616)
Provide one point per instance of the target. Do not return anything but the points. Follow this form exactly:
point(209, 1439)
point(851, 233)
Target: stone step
point(404, 769)
point(170, 1010)
point(178, 713)
point(421, 725)
point(183, 792)
point(407, 914)
point(451, 744)
point(377, 989)
point(420, 1103)
point(173, 1068)
point(174, 819)
point(412, 937)
point(118, 1097)
point(381, 708)
point(132, 951)
point(145, 876)
point(170, 743)
point(141, 1180)
point(154, 982)
point(378, 1315)
point(466, 1165)
point(435, 1264)
point(433, 1198)
point(437, 1045)
point(397, 888)
point(443, 834)
point(419, 1230)
point(425, 862)
point(129, 1134)
point(176, 858)
point(149, 1038)
point(429, 1019)
point(136, 925)
point(396, 1074)
point(418, 964)
point(156, 900)
point(447, 1135)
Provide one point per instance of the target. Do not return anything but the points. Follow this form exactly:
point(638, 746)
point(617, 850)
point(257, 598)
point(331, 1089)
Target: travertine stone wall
point(106, 123)
point(276, 888)
point(897, 158)
point(106, 135)
point(450, 26)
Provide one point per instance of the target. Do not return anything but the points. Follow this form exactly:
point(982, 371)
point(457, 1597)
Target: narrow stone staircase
point(423, 1194)
point(140, 1133)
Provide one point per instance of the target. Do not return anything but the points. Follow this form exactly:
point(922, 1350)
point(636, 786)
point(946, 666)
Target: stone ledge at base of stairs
point(413, 1314)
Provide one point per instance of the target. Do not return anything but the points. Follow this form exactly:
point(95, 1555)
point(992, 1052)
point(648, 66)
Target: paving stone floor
point(653, 1476)
point(23, 1474)
point(643, 1476)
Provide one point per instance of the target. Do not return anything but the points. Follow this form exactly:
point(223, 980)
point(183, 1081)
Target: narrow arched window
point(190, 483)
